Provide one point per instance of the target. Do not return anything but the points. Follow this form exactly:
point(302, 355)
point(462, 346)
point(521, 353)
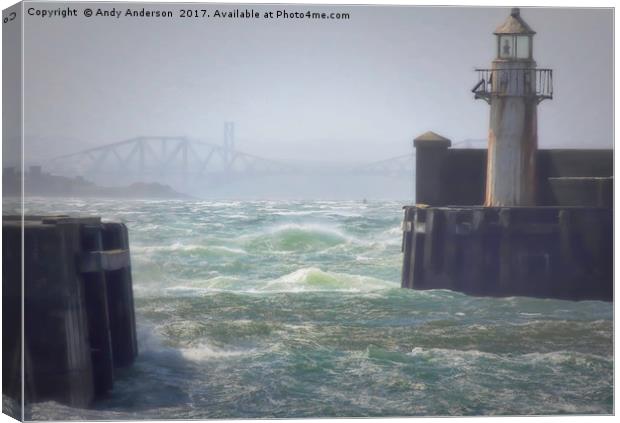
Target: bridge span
point(185, 162)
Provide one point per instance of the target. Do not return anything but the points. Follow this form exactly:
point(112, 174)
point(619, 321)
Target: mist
point(322, 96)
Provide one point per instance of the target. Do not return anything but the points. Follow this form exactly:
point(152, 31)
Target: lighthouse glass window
point(523, 47)
point(514, 47)
point(506, 46)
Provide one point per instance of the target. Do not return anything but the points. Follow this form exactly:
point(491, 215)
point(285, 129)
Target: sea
point(293, 309)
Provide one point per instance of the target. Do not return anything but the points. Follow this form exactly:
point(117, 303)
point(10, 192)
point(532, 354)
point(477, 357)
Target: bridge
point(395, 167)
point(186, 160)
point(404, 165)
point(156, 157)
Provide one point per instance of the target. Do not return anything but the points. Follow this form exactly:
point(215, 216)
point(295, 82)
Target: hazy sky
point(355, 90)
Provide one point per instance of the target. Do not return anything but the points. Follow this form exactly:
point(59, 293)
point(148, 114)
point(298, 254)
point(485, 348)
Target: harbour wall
point(560, 248)
point(546, 252)
point(449, 176)
point(78, 311)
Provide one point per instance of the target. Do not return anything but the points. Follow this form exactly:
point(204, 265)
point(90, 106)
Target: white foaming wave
point(564, 357)
point(342, 213)
point(312, 279)
point(217, 284)
point(229, 249)
point(307, 279)
point(390, 237)
point(315, 229)
point(290, 237)
point(455, 356)
point(397, 230)
point(146, 227)
point(180, 290)
point(127, 210)
point(236, 216)
point(294, 213)
point(322, 211)
point(204, 353)
point(307, 227)
point(178, 246)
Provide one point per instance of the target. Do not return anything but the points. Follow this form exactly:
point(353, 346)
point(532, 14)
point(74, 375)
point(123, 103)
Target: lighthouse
point(546, 227)
point(513, 87)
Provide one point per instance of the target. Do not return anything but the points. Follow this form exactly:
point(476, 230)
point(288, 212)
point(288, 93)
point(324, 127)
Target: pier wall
point(564, 177)
point(547, 252)
point(79, 322)
point(560, 248)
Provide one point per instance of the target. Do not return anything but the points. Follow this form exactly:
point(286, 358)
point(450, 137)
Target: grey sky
point(356, 90)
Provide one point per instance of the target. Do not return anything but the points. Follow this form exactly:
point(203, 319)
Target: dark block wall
point(79, 322)
point(574, 164)
point(546, 252)
point(463, 177)
point(557, 163)
point(461, 174)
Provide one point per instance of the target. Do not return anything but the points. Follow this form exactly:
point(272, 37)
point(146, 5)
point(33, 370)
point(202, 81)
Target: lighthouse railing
point(514, 81)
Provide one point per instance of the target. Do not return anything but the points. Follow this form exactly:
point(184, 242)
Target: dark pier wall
point(79, 322)
point(560, 248)
point(548, 252)
point(448, 176)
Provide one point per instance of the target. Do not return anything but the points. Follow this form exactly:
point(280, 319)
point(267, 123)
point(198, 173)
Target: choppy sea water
point(293, 309)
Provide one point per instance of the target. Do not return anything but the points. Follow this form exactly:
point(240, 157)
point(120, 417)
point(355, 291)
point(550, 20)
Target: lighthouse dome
point(514, 24)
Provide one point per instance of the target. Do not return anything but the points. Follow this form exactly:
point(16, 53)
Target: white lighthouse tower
point(513, 87)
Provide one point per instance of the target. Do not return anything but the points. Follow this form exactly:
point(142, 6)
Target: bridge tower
point(513, 87)
point(229, 141)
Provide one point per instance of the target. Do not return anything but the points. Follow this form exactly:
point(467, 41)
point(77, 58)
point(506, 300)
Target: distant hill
point(143, 190)
point(38, 183)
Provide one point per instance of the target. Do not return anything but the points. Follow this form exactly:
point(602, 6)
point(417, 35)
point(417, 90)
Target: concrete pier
point(547, 252)
point(79, 322)
point(560, 248)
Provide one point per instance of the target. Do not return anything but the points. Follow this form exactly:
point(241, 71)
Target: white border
point(484, 3)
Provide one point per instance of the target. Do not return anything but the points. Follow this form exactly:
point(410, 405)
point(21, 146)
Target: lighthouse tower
point(513, 87)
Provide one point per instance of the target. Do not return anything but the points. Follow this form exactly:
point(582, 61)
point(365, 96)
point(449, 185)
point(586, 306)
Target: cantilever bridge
point(155, 157)
point(166, 159)
point(404, 165)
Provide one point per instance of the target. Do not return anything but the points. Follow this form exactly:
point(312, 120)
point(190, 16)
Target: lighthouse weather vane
point(513, 87)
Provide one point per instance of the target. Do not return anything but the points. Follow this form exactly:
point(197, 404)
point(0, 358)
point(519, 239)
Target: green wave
point(290, 238)
point(314, 279)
